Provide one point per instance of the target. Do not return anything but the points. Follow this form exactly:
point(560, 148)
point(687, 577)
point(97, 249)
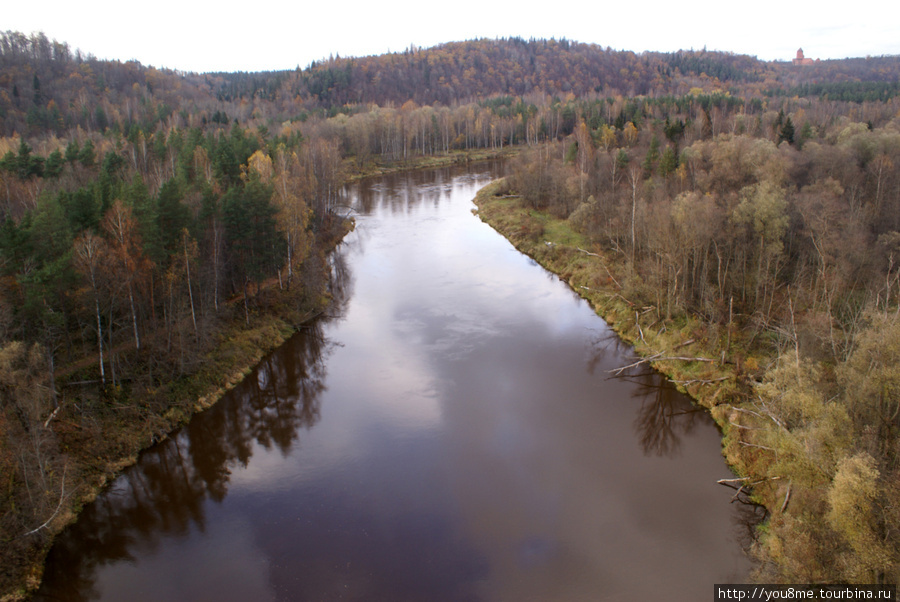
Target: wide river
point(451, 431)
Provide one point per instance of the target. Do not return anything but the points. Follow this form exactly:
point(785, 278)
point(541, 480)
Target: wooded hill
point(149, 215)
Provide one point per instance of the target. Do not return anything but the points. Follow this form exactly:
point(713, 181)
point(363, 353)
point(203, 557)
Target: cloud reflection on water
point(451, 433)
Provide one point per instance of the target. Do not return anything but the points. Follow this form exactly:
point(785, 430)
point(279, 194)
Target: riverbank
point(461, 157)
point(711, 366)
point(103, 433)
point(677, 348)
point(128, 421)
point(429, 347)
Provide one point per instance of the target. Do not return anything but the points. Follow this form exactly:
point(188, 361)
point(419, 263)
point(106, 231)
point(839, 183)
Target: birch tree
point(89, 255)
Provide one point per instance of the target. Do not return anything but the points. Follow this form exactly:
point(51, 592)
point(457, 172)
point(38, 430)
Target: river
point(451, 431)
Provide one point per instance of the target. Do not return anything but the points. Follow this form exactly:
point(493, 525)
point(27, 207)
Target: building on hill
point(801, 60)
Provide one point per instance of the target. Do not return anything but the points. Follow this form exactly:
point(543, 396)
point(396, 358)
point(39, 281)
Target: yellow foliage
point(260, 164)
point(22, 378)
point(630, 132)
point(607, 136)
point(852, 514)
point(811, 433)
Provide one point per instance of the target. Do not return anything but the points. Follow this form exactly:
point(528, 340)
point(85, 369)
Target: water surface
point(450, 432)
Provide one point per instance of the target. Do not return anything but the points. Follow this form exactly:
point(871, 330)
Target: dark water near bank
point(452, 432)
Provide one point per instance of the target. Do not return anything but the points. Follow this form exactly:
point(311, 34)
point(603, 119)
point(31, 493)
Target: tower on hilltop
point(801, 60)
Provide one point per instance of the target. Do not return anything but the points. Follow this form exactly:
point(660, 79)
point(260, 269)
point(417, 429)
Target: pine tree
point(787, 132)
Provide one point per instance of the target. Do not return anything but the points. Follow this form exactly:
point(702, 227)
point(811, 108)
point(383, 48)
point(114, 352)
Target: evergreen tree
point(87, 155)
point(145, 210)
point(668, 163)
point(81, 208)
point(23, 164)
point(256, 246)
point(45, 285)
point(73, 151)
point(172, 216)
point(787, 132)
point(36, 86)
point(652, 157)
point(54, 165)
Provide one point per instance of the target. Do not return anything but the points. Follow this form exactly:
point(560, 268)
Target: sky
point(249, 36)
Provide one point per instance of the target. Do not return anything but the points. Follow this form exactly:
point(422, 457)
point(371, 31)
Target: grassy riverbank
point(795, 432)
point(684, 349)
point(713, 366)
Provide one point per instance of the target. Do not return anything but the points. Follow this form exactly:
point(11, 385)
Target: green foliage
point(82, 208)
point(110, 179)
point(787, 132)
point(50, 230)
point(73, 150)
point(145, 210)
point(652, 156)
point(172, 216)
point(23, 165)
point(572, 153)
point(54, 166)
point(723, 67)
point(87, 156)
point(100, 119)
point(668, 163)
point(256, 246)
point(228, 153)
point(674, 130)
point(848, 91)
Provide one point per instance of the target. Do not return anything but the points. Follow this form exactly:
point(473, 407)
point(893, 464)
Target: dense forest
point(780, 258)
point(152, 221)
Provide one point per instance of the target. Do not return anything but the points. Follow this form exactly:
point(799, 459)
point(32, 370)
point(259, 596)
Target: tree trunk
point(99, 336)
point(187, 266)
point(137, 338)
point(290, 261)
point(216, 267)
point(246, 308)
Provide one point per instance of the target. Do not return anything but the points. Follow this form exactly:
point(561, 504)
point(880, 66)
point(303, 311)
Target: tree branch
point(702, 381)
point(603, 265)
point(658, 358)
point(62, 497)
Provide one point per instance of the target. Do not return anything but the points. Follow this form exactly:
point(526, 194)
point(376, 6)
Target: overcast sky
point(256, 36)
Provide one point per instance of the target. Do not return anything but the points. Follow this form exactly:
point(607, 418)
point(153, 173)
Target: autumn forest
point(159, 229)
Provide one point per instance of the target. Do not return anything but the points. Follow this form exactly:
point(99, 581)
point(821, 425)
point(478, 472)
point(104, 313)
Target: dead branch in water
point(743, 485)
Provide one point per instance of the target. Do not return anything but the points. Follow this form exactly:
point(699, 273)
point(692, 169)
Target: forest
point(780, 263)
point(156, 227)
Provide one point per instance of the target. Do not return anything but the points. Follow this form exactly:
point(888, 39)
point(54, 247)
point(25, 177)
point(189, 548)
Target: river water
point(450, 432)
